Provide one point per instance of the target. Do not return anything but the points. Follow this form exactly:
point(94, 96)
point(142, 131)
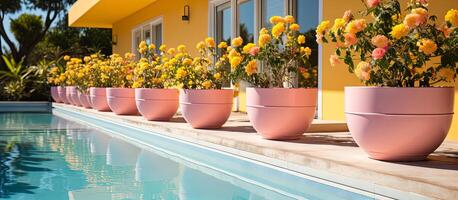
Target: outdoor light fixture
point(114, 40)
point(185, 16)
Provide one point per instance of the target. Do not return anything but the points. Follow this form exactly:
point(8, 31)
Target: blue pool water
point(43, 156)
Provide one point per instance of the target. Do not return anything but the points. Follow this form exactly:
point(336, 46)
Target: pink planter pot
point(399, 124)
point(55, 94)
point(62, 91)
point(69, 90)
point(74, 97)
point(99, 99)
point(206, 109)
point(281, 113)
point(122, 101)
point(84, 99)
point(157, 104)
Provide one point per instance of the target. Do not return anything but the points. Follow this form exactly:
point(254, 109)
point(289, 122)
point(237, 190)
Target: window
point(246, 19)
point(223, 23)
point(150, 32)
point(271, 8)
point(307, 13)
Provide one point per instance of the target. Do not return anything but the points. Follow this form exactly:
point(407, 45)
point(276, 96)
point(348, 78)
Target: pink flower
point(413, 20)
point(380, 41)
point(378, 53)
point(372, 3)
point(334, 60)
point(348, 16)
point(254, 51)
point(350, 39)
point(423, 1)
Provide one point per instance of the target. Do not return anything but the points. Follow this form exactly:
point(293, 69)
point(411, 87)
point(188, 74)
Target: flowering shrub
point(283, 53)
point(395, 51)
point(200, 72)
point(117, 71)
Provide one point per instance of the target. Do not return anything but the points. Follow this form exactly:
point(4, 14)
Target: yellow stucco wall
point(175, 31)
point(337, 77)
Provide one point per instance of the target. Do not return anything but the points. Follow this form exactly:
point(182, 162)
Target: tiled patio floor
point(328, 152)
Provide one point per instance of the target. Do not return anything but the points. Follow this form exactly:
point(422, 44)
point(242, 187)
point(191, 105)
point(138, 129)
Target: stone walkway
point(327, 151)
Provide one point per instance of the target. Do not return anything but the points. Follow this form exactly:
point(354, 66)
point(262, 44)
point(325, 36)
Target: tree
point(52, 8)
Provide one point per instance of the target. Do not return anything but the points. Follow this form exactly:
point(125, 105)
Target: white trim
point(139, 27)
point(320, 66)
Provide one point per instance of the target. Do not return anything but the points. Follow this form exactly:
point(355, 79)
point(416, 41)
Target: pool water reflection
point(46, 157)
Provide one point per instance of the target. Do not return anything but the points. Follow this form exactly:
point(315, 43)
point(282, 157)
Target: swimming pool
point(43, 156)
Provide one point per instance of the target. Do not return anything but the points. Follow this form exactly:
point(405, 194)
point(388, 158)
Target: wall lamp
point(185, 16)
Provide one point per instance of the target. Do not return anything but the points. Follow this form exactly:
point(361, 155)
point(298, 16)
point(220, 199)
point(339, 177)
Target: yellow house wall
point(175, 31)
point(337, 77)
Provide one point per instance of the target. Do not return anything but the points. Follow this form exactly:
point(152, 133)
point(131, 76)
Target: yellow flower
point(427, 46)
point(222, 45)
point(294, 27)
point(289, 19)
point(323, 26)
point(187, 61)
point(338, 23)
point(152, 47)
point(181, 48)
point(207, 84)
point(129, 77)
point(87, 59)
point(200, 45)
point(399, 31)
point(251, 68)
point(163, 48)
point(276, 19)
point(264, 39)
point(142, 45)
point(235, 61)
point(356, 26)
point(181, 73)
point(247, 47)
point(446, 74)
point(301, 39)
point(236, 42)
point(171, 51)
point(306, 51)
point(362, 70)
point(210, 42)
point(66, 58)
point(263, 31)
point(217, 76)
point(278, 29)
point(452, 17)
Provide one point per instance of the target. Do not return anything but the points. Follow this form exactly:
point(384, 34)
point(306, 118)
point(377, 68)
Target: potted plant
point(204, 103)
point(84, 81)
point(98, 67)
point(155, 97)
point(404, 112)
point(54, 80)
point(71, 67)
point(121, 95)
point(282, 101)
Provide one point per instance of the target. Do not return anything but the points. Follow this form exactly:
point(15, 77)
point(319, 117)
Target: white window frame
point(257, 25)
point(149, 23)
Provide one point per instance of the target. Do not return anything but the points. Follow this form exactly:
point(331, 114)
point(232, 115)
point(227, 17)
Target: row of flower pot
point(408, 130)
point(276, 113)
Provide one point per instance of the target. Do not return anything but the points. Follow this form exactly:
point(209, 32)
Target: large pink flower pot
point(157, 104)
point(55, 94)
point(122, 101)
point(84, 99)
point(69, 90)
point(62, 91)
point(99, 99)
point(206, 109)
point(74, 96)
point(281, 113)
point(399, 124)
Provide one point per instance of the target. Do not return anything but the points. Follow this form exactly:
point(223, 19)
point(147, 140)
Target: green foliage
point(19, 82)
point(25, 29)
